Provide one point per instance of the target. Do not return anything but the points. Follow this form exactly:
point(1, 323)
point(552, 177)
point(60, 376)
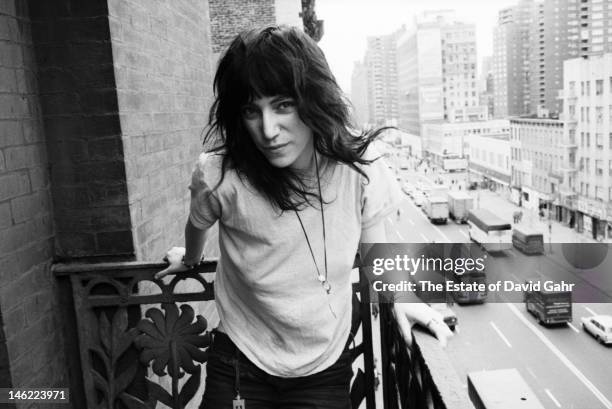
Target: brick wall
point(81, 118)
point(163, 73)
point(229, 17)
point(31, 348)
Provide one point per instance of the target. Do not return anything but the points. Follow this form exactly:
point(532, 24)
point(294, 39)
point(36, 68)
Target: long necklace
point(321, 277)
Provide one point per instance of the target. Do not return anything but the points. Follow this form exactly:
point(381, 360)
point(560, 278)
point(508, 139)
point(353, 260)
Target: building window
point(588, 142)
point(598, 87)
point(599, 167)
point(588, 169)
point(599, 140)
point(599, 115)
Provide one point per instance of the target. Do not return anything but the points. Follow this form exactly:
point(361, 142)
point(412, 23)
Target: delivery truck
point(436, 209)
point(549, 307)
point(459, 204)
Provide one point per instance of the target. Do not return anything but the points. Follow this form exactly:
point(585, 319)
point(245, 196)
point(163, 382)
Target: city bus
point(527, 240)
point(490, 231)
point(501, 389)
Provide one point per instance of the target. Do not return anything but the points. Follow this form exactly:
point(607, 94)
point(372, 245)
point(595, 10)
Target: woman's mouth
point(276, 148)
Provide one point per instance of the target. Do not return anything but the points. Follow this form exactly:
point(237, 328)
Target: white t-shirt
point(270, 302)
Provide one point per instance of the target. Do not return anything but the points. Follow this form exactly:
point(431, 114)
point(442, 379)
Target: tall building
point(436, 71)
point(569, 29)
point(486, 86)
point(511, 70)
point(359, 94)
point(531, 42)
point(587, 98)
point(381, 71)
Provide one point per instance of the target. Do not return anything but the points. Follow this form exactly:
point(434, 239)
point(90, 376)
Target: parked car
point(449, 316)
point(599, 326)
point(418, 197)
point(408, 189)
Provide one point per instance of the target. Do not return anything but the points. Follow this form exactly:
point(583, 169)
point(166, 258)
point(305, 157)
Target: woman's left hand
point(408, 314)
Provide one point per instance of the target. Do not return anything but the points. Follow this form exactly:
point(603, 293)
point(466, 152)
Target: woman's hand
point(408, 314)
point(174, 257)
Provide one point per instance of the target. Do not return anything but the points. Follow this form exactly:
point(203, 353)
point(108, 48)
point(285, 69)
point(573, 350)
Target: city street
point(564, 365)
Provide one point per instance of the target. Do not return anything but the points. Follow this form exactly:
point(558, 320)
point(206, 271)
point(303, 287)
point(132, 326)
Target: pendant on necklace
point(327, 286)
point(321, 278)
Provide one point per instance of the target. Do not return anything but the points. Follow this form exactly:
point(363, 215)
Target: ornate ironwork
point(118, 345)
point(419, 376)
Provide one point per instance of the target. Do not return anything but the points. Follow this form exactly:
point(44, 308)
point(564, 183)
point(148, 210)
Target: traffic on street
point(567, 364)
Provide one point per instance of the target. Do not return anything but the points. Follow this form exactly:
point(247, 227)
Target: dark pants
point(326, 389)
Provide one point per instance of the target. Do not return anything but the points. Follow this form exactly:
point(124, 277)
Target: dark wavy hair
point(280, 60)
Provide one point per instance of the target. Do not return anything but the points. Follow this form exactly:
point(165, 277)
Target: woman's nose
point(270, 125)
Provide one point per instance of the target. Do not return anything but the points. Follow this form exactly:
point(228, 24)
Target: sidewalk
point(504, 208)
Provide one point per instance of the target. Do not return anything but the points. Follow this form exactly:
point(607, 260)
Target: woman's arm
point(192, 252)
point(407, 314)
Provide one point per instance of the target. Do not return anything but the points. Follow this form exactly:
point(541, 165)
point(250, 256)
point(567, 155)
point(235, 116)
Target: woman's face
point(278, 132)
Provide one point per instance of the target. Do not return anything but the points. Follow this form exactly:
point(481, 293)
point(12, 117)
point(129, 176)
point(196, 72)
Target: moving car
point(449, 316)
point(599, 326)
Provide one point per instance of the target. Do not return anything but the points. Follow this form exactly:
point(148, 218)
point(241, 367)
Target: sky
point(347, 23)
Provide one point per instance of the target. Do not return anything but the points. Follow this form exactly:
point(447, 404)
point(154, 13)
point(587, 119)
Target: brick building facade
point(102, 112)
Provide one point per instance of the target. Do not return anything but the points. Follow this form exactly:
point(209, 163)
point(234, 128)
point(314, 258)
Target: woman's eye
point(286, 104)
point(249, 112)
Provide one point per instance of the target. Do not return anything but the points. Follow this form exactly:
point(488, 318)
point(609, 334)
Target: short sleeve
point(205, 208)
point(380, 195)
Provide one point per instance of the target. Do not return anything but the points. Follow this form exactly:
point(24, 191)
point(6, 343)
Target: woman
point(294, 192)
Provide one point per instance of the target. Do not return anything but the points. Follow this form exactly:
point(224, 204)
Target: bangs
point(270, 70)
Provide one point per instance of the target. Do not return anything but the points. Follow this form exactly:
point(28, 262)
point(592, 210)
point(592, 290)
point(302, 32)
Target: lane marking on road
point(590, 311)
point(569, 324)
point(424, 237)
point(600, 396)
point(411, 222)
point(530, 372)
point(512, 252)
point(550, 395)
point(442, 234)
point(400, 235)
point(502, 336)
point(464, 235)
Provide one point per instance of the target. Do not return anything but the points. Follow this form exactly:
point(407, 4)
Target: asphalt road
point(565, 366)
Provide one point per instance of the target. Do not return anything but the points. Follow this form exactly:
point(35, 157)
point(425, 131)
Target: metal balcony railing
point(142, 346)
